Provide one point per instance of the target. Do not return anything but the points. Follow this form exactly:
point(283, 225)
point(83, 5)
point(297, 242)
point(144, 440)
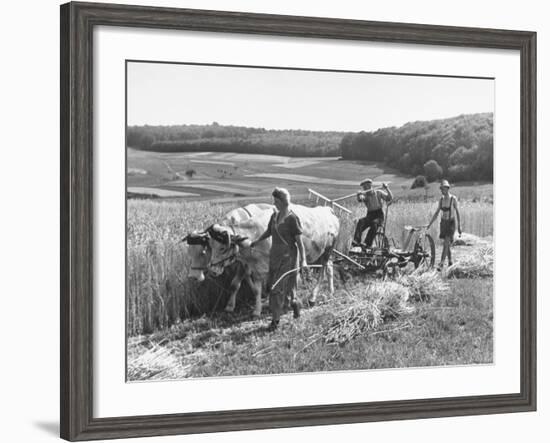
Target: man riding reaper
point(372, 198)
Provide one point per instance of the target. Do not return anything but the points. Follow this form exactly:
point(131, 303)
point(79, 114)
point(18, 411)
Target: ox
point(200, 252)
point(229, 243)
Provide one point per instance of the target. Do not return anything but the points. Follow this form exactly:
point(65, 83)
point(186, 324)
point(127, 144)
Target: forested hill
point(458, 148)
point(218, 138)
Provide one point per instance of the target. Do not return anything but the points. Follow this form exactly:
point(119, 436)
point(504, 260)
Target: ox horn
point(184, 239)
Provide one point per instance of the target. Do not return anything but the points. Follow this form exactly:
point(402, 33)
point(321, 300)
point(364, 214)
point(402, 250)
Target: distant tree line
point(458, 148)
point(218, 138)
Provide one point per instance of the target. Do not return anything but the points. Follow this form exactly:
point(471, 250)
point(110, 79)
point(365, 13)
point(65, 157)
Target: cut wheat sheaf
point(478, 264)
point(381, 301)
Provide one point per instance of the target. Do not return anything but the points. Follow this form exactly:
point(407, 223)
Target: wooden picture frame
point(77, 23)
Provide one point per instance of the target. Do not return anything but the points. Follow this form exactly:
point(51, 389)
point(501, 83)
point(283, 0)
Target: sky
point(173, 94)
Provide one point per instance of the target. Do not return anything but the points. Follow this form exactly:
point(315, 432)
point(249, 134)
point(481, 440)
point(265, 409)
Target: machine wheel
point(380, 245)
point(424, 252)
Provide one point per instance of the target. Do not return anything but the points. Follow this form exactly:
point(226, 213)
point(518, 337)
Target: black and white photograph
point(233, 221)
point(287, 220)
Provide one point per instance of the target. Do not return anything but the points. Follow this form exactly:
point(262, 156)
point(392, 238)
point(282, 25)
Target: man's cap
point(444, 184)
point(367, 180)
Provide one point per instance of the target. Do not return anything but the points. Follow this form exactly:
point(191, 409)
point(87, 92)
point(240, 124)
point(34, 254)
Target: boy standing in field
point(448, 206)
point(372, 198)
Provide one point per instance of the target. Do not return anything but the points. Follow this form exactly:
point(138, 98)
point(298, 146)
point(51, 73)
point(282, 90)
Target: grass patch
point(454, 328)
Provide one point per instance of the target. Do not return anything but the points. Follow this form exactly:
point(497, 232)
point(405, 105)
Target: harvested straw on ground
point(378, 302)
point(155, 363)
point(423, 285)
point(381, 301)
point(477, 264)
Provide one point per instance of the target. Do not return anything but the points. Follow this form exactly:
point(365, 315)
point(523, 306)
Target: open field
point(176, 328)
point(234, 177)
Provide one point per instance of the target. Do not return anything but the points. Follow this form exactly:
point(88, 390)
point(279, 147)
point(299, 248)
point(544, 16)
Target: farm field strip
point(197, 154)
point(305, 179)
point(297, 164)
point(224, 156)
point(222, 175)
point(254, 175)
point(160, 192)
point(262, 158)
point(134, 171)
point(230, 182)
point(227, 188)
point(213, 162)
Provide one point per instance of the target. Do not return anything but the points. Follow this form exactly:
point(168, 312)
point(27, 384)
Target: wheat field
point(158, 291)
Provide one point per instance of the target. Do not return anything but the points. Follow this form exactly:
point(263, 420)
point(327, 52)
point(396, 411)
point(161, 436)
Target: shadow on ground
point(49, 427)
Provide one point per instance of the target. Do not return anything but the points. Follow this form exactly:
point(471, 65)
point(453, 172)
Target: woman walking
point(286, 245)
point(448, 206)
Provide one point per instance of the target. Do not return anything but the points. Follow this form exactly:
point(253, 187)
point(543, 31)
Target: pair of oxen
point(227, 244)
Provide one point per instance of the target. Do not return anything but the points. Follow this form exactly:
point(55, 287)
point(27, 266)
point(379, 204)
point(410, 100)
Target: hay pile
point(423, 286)
point(477, 264)
point(157, 362)
point(369, 308)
